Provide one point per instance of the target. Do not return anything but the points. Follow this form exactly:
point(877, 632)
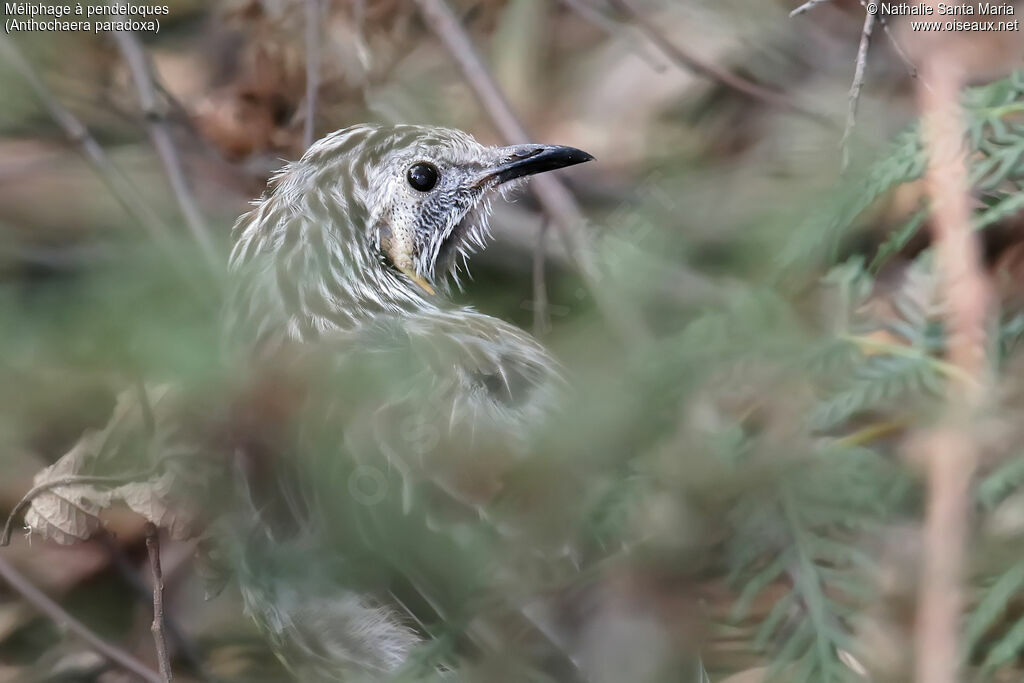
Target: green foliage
point(813, 516)
point(994, 632)
point(752, 443)
point(873, 368)
point(997, 147)
point(819, 236)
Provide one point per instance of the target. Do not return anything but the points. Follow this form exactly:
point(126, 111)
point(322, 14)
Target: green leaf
point(993, 605)
point(1007, 649)
point(755, 585)
point(898, 239)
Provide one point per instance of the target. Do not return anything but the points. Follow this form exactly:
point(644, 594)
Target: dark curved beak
point(524, 160)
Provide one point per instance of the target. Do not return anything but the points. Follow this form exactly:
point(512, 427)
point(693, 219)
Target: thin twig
point(163, 142)
point(700, 66)
point(862, 54)
point(541, 320)
point(157, 628)
point(807, 6)
point(950, 451)
point(557, 201)
point(312, 68)
point(897, 48)
point(186, 649)
point(60, 616)
point(855, 87)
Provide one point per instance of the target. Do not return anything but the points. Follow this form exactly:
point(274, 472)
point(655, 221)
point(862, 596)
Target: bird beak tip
point(552, 157)
point(527, 160)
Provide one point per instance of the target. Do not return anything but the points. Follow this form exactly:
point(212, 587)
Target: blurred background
point(732, 486)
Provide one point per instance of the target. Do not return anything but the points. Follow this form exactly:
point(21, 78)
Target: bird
point(351, 257)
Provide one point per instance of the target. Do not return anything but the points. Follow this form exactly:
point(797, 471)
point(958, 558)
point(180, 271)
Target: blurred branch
point(160, 135)
point(704, 68)
point(855, 87)
point(312, 68)
point(557, 201)
point(159, 640)
point(126, 193)
point(59, 616)
point(120, 186)
point(950, 452)
point(592, 15)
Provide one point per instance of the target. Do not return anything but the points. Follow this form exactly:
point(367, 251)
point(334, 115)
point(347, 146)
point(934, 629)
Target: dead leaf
point(144, 458)
point(153, 500)
point(68, 514)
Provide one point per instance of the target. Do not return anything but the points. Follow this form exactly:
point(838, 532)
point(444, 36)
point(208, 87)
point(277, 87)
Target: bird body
point(348, 257)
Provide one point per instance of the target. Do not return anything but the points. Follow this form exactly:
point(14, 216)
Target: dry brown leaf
point(153, 500)
point(68, 514)
point(105, 462)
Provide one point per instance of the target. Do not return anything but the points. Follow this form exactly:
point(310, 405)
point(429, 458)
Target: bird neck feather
point(307, 261)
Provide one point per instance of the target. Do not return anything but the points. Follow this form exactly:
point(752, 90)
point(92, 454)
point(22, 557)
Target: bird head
point(431, 197)
point(387, 213)
point(428, 189)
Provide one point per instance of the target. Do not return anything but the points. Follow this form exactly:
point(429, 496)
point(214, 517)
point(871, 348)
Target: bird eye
point(423, 176)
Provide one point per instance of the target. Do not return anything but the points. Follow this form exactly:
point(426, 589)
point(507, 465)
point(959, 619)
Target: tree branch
point(123, 190)
point(157, 627)
point(855, 87)
point(186, 650)
point(557, 201)
point(591, 14)
point(897, 48)
point(78, 134)
point(59, 616)
point(160, 135)
point(698, 65)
